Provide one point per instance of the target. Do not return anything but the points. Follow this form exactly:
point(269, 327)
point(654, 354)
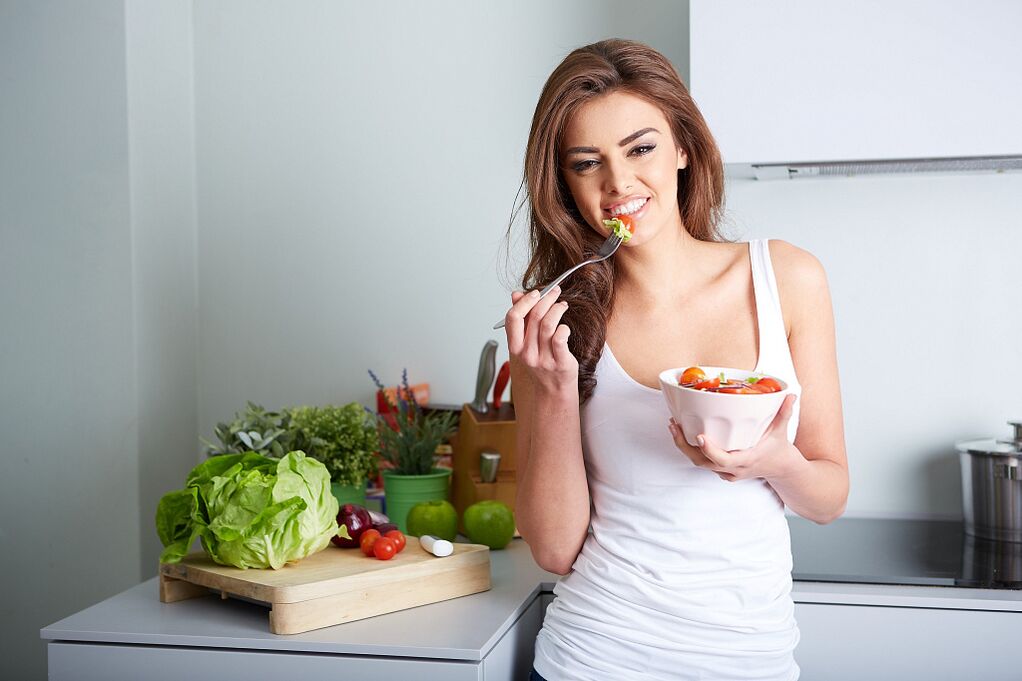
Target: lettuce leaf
point(250, 510)
point(618, 227)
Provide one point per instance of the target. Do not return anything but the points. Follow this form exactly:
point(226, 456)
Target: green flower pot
point(349, 494)
point(404, 491)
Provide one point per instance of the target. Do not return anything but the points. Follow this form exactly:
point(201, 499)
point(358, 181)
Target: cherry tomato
point(628, 221)
point(771, 385)
point(692, 375)
point(384, 548)
point(367, 541)
point(399, 539)
point(738, 390)
point(706, 385)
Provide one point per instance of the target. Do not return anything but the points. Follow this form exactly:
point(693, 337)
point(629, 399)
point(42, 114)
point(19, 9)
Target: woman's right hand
point(538, 343)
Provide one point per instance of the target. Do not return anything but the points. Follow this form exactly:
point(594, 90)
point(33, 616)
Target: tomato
point(628, 221)
point(706, 385)
point(384, 548)
point(739, 390)
point(399, 539)
point(367, 541)
point(771, 385)
point(692, 375)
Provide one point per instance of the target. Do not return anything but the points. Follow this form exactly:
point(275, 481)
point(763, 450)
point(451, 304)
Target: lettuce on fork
point(250, 510)
point(617, 226)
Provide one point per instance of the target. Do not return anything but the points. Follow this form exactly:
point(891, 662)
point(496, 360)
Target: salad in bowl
point(732, 407)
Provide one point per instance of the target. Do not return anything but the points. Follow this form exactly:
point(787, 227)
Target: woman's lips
point(637, 215)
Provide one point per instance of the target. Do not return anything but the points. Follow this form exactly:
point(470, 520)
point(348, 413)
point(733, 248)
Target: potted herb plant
point(345, 440)
point(408, 443)
point(255, 430)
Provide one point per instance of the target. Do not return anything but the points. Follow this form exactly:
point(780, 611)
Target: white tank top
point(682, 575)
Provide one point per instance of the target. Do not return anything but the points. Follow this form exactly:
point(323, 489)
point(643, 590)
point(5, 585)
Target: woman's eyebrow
point(636, 135)
point(594, 150)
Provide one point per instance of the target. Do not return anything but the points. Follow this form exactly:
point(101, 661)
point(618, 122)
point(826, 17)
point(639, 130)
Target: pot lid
point(1006, 446)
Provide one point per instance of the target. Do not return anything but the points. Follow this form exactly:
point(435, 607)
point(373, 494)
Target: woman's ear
point(682, 159)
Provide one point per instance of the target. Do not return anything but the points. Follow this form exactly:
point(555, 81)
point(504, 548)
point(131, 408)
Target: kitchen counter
point(465, 628)
point(484, 636)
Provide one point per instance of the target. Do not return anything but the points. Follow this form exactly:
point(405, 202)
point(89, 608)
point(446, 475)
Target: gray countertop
point(465, 628)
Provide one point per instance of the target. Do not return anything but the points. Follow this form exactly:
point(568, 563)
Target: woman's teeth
point(629, 207)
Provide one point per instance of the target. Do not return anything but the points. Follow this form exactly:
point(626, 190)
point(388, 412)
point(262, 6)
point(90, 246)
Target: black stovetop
point(889, 551)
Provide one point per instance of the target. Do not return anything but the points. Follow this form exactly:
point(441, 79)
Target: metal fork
point(606, 250)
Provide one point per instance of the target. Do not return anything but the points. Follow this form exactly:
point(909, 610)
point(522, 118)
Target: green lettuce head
point(250, 510)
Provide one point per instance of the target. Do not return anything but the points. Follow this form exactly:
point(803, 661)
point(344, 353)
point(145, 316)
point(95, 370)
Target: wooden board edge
point(173, 590)
point(201, 579)
point(410, 592)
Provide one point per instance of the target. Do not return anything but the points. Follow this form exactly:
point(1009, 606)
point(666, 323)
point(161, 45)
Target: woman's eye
point(643, 149)
point(585, 165)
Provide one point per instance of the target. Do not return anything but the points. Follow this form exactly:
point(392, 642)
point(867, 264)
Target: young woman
point(677, 559)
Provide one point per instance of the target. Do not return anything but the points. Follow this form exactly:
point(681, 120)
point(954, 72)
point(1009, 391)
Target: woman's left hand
point(772, 456)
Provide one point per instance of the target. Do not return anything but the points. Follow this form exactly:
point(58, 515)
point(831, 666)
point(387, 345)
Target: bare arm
point(552, 497)
point(816, 484)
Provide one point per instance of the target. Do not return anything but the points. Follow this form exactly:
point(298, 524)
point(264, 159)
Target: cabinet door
point(855, 642)
point(804, 80)
point(89, 662)
point(511, 658)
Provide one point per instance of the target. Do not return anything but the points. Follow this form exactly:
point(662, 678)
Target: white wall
point(357, 166)
point(69, 498)
point(923, 271)
point(98, 297)
point(161, 135)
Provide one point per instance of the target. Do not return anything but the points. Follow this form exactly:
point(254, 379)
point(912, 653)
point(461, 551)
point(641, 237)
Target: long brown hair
point(558, 236)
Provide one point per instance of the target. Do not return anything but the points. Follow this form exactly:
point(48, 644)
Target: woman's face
point(618, 156)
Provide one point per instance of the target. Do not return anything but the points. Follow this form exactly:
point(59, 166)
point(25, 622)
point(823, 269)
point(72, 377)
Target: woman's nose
point(618, 179)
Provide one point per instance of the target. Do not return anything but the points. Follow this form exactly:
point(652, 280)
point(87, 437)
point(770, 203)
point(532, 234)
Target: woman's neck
point(670, 265)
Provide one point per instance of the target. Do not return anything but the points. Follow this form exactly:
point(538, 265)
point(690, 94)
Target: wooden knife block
point(492, 431)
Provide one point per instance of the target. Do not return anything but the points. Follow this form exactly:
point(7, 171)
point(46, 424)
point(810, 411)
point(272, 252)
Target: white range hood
point(803, 88)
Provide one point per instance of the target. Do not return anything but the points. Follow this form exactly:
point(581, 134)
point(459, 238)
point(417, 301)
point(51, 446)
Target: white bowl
point(729, 420)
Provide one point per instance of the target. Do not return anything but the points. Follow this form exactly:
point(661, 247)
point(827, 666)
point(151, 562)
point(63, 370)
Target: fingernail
point(701, 440)
point(556, 290)
point(534, 293)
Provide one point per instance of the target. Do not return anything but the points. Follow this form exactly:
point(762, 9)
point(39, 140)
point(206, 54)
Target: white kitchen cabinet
point(856, 642)
point(801, 80)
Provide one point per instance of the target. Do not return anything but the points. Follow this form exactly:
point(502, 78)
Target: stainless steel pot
point(992, 486)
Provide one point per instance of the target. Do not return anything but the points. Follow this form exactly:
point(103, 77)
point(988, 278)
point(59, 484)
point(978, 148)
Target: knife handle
point(484, 377)
point(503, 376)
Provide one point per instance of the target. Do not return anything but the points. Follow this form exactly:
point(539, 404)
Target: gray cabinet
point(509, 660)
point(105, 662)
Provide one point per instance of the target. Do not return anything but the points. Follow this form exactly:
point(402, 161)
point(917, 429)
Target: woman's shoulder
point(801, 281)
point(796, 266)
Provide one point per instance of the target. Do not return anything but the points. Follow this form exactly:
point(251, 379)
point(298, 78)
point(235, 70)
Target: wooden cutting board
point(335, 585)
